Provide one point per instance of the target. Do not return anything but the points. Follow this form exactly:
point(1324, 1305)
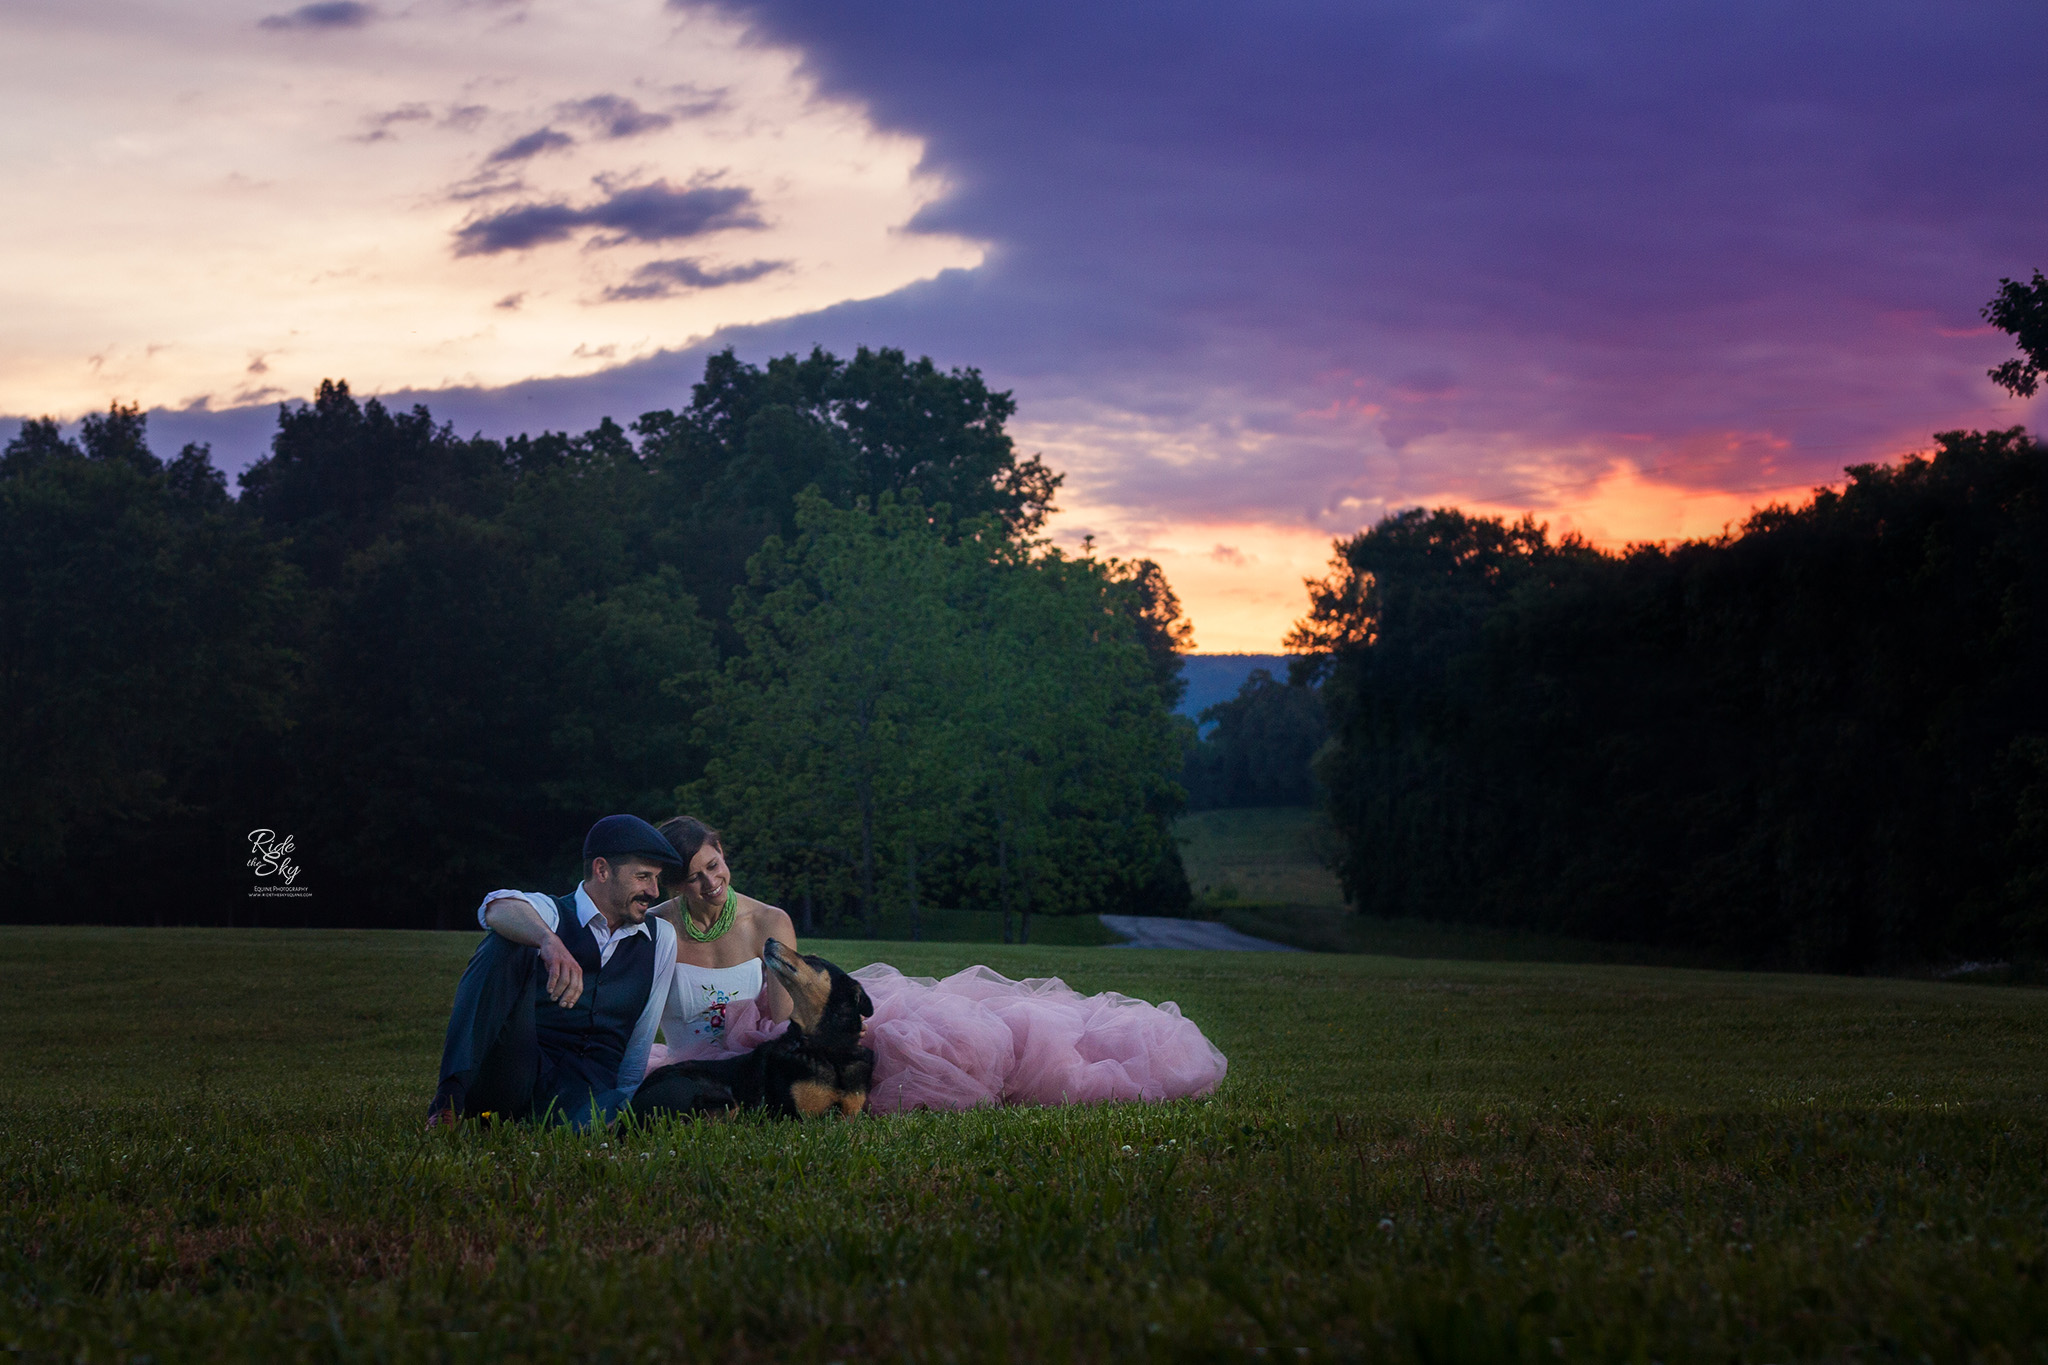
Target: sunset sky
point(1257, 273)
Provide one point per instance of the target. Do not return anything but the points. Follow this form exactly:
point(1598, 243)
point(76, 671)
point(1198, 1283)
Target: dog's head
point(825, 1002)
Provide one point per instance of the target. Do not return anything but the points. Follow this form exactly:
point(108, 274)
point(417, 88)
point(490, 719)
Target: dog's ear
point(867, 1006)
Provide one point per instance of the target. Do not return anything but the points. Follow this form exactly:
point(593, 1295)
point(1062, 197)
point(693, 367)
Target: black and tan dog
point(817, 1067)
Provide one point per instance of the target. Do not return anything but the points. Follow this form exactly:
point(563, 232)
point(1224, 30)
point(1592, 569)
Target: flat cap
point(628, 836)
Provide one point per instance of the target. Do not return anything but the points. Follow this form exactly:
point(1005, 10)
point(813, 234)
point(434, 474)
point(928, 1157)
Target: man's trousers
point(492, 1061)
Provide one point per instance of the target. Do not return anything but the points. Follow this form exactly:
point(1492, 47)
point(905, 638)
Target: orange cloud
point(1241, 582)
point(1627, 507)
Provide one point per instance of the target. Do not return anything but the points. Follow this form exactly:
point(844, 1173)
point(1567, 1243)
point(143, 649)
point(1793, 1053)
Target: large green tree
point(928, 703)
point(754, 437)
point(1077, 750)
point(830, 736)
point(2021, 308)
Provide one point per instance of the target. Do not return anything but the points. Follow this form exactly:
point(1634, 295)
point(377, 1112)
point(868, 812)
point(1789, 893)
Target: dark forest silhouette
point(811, 605)
point(1819, 742)
point(1259, 747)
point(432, 660)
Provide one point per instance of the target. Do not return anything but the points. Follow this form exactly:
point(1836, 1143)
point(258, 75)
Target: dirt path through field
point(1144, 931)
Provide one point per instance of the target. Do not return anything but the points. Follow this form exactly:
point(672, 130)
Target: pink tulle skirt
point(979, 1038)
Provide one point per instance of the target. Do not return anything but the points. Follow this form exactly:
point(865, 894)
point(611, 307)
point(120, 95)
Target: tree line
point(813, 604)
point(1818, 742)
point(1259, 747)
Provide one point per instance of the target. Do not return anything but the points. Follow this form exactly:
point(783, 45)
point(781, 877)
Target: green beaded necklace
point(719, 925)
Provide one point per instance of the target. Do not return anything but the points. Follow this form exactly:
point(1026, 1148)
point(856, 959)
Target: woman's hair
point(689, 835)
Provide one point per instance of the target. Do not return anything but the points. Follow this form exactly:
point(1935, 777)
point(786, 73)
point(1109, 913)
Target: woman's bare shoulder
point(770, 921)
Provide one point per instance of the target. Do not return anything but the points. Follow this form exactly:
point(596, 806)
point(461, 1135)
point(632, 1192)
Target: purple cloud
point(1373, 251)
point(615, 116)
point(516, 229)
point(532, 145)
point(378, 126)
point(661, 279)
point(658, 213)
point(325, 14)
point(643, 213)
point(1351, 255)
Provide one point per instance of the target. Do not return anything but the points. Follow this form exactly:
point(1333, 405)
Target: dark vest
point(588, 1039)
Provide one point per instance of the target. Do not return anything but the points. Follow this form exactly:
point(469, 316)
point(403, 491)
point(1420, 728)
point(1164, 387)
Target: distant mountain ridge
point(1216, 677)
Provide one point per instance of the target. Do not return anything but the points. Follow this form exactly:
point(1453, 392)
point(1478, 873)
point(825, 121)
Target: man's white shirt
point(632, 1066)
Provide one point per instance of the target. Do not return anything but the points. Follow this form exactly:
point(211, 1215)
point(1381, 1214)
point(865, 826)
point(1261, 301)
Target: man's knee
point(496, 983)
point(499, 959)
point(496, 950)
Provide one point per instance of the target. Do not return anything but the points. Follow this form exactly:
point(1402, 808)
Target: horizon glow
point(1256, 277)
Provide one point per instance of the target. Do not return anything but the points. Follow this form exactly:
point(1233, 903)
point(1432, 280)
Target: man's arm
point(633, 1066)
point(512, 918)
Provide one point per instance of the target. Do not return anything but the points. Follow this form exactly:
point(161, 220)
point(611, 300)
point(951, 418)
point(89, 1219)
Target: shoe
point(446, 1110)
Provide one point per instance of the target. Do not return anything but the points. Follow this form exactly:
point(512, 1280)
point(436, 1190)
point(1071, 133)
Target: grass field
point(1268, 854)
point(210, 1149)
point(1263, 871)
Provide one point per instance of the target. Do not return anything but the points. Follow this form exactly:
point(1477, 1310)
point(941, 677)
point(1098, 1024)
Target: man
point(556, 1011)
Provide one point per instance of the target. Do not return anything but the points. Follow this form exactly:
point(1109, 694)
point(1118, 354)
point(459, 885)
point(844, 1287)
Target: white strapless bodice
point(693, 1020)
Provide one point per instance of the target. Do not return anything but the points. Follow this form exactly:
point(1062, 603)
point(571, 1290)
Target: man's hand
point(565, 977)
point(515, 919)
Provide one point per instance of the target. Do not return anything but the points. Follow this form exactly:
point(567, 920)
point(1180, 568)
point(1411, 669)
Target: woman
point(975, 1038)
point(720, 935)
